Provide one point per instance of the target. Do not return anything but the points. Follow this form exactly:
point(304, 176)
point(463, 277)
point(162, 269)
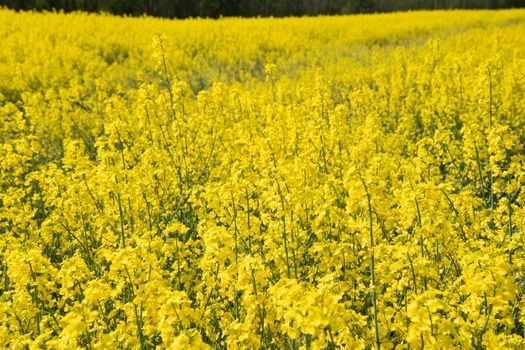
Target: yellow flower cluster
point(342, 182)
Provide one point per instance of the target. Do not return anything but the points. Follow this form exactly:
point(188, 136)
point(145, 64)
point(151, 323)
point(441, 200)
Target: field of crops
point(305, 183)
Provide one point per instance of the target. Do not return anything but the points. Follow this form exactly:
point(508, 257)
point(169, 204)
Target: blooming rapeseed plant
point(313, 183)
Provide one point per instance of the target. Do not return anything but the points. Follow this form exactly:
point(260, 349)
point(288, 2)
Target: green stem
point(372, 266)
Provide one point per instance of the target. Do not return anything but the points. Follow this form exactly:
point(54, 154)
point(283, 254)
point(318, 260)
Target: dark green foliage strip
point(251, 8)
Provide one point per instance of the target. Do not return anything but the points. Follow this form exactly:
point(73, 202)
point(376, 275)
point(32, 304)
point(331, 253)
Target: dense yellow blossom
point(305, 183)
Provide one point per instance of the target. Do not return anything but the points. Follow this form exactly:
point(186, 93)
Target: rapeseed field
point(350, 182)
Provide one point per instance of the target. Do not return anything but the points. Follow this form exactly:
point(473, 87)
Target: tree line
point(250, 8)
